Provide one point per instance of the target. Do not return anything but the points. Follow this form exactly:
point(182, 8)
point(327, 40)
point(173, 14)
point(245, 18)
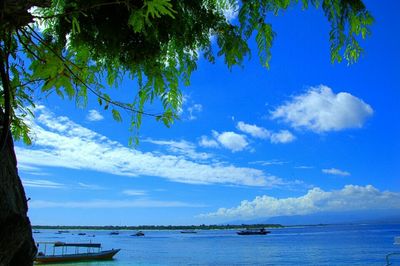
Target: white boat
point(54, 252)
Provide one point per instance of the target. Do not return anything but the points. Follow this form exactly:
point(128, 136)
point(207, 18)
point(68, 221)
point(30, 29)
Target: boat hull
point(103, 255)
point(252, 233)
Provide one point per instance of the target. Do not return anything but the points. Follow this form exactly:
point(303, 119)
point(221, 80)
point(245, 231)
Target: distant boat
point(260, 231)
point(62, 231)
point(92, 251)
point(188, 232)
point(81, 234)
point(36, 232)
point(114, 233)
point(140, 233)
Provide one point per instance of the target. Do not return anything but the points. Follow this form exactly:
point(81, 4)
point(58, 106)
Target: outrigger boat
point(58, 252)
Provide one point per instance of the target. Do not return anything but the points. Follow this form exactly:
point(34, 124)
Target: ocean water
point(313, 245)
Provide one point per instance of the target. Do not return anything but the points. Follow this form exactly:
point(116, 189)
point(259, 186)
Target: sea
point(360, 244)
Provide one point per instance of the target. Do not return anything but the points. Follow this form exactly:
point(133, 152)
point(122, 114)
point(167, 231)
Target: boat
point(140, 233)
point(114, 233)
point(188, 232)
point(58, 252)
point(81, 234)
point(259, 231)
point(388, 256)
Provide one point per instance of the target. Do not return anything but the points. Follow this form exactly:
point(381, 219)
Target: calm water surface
point(317, 245)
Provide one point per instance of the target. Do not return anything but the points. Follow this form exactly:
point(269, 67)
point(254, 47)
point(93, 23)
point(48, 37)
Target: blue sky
point(304, 137)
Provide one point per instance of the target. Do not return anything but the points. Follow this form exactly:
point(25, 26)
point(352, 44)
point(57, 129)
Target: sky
point(302, 138)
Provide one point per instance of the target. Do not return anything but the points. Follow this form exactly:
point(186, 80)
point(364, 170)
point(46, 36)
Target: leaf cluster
point(155, 42)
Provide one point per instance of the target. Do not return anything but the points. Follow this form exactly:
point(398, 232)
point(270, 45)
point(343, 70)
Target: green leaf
point(137, 20)
point(158, 8)
point(75, 26)
point(264, 39)
point(116, 115)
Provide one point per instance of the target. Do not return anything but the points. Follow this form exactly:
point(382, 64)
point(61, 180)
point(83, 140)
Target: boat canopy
point(87, 245)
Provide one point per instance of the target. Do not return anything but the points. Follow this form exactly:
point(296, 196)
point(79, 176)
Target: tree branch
point(109, 101)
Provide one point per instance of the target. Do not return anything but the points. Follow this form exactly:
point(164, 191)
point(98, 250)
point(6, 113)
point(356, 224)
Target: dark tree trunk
point(17, 246)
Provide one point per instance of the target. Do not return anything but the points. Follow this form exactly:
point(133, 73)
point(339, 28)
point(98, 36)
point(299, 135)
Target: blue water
point(317, 245)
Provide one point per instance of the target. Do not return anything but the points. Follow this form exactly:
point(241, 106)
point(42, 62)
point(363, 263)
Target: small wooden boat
point(91, 251)
point(261, 231)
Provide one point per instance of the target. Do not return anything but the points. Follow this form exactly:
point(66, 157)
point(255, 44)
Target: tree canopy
point(72, 47)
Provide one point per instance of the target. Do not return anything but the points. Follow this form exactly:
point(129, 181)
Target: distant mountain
point(369, 216)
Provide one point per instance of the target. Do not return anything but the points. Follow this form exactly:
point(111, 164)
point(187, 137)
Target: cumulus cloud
point(59, 142)
point(208, 142)
point(253, 130)
point(350, 198)
point(334, 171)
point(321, 110)
point(283, 136)
point(94, 115)
point(231, 140)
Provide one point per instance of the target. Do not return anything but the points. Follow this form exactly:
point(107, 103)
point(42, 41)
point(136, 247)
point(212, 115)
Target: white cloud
point(112, 204)
point(304, 167)
point(208, 142)
point(193, 110)
point(181, 147)
point(90, 186)
point(59, 142)
point(189, 109)
point(231, 140)
point(283, 136)
point(230, 9)
point(321, 110)
point(253, 130)
point(334, 171)
point(270, 162)
point(350, 198)
point(41, 183)
point(94, 115)
point(134, 192)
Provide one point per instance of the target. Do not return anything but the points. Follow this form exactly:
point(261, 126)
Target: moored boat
point(58, 252)
point(260, 231)
point(188, 232)
point(139, 233)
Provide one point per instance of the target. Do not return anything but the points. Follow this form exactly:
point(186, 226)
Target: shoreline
point(157, 227)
